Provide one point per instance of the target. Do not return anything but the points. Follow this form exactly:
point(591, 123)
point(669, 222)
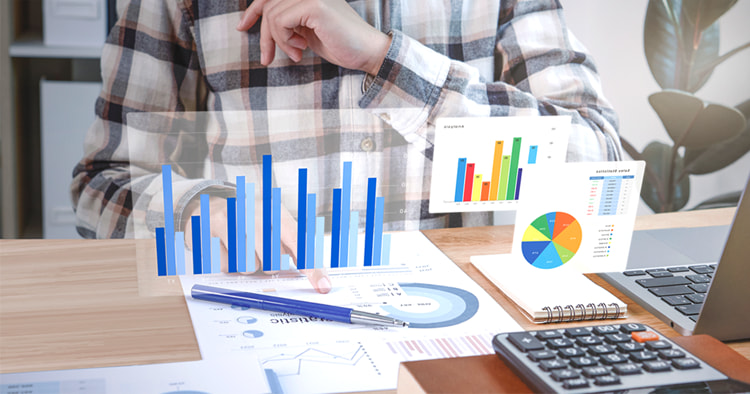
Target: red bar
point(485, 191)
point(469, 181)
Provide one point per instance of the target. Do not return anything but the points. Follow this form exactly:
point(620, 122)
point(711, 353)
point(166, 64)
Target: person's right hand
point(331, 28)
point(218, 208)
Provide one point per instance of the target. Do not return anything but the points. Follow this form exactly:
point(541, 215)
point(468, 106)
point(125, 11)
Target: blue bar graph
point(206, 254)
point(369, 220)
point(166, 178)
point(320, 228)
point(336, 229)
point(250, 226)
point(179, 249)
point(310, 263)
point(161, 254)
point(206, 233)
point(532, 153)
point(346, 198)
point(267, 185)
point(460, 179)
point(195, 221)
point(386, 249)
point(241, 228)
point(378, 231)
point(276, 230)
point(215, 255)
point(353, 232)
point(232, 235)
point(301, 218)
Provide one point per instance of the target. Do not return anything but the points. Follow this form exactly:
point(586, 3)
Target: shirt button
point(367, 144)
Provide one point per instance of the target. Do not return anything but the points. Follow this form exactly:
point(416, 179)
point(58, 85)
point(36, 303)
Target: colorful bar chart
point(478, 163)
point(204, 254)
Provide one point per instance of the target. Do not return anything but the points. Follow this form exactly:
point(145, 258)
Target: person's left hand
point(331, 28)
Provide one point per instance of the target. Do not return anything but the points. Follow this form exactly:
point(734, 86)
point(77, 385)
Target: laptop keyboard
point(683, 287)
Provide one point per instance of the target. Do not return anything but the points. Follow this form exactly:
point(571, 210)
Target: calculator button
point(577, 332)
point(568, 352)
point(559, 343)
point(603, 330)
point(617, 338)
point(592, 372)
point(685, 363)
point(563, 374)
point(671, 353)
point(524, 341)
point(645, 355)
point(630, 347)
point(580, 362)
point(632, 327)
point(644, 336)
point(626, 369)
point(598, 350)
point(658, 345)
point(538, 355)
point(548, 334)
point(571, 384)
point(607, 380)
point(550, 365)
point(588, 341)
point(656, 366)
point(611, 359)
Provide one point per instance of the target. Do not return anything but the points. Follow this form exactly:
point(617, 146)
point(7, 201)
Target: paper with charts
point(578, 217)
point(450, 316)
point(479, 164)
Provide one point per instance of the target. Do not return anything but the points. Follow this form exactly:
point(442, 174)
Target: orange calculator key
point(644, 336)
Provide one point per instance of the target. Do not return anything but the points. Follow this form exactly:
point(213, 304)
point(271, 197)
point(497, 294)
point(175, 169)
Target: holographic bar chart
point(203, 256)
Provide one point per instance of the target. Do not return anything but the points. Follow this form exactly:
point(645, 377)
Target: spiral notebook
point(550, 296)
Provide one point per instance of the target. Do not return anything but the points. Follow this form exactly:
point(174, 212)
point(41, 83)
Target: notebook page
point(549, 295)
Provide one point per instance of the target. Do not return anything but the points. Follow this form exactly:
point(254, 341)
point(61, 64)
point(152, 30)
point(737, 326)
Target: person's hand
point(331, 28)
point(218, 207)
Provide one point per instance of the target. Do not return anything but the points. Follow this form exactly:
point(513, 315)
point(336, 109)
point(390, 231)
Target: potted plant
point(681, 42)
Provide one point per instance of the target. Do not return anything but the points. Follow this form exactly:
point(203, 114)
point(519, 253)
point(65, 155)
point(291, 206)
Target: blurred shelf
point(33, 47)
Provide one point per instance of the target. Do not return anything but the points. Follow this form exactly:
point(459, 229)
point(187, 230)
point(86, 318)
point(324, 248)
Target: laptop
point(697, 298)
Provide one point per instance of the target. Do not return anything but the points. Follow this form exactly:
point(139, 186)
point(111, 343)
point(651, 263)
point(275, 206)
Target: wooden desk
point(75, 303)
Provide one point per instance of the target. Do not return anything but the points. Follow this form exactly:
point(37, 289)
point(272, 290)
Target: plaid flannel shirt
point(459, 58)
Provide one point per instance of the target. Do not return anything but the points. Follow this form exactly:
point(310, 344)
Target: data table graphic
point(551, 240)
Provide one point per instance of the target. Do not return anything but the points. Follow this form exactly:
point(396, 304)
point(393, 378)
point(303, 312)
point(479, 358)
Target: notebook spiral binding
point(560, 317)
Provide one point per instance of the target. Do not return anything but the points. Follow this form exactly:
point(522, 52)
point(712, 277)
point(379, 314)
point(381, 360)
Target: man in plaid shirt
point(404, 63)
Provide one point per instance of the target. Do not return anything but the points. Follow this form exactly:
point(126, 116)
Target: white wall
point(613, 33)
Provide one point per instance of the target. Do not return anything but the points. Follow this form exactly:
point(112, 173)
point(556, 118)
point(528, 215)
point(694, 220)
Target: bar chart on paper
point(478, 163)
point(203, 256)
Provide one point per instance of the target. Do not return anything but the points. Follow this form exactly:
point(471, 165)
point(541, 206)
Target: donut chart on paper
point(551, 240)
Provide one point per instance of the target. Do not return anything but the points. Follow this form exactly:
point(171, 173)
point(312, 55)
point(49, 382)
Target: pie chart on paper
point(551, 240)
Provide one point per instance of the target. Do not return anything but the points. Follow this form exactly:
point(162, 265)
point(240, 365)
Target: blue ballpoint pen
point(297, 307)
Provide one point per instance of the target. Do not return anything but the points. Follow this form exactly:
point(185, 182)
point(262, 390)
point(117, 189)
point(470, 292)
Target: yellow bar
point(496, 170)
point(476, 191)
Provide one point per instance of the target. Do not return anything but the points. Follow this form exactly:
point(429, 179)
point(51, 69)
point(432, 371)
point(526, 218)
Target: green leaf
point(658, 157)
point(678, 54)
point(691, 124)
point(706, 12)
point(718, 156)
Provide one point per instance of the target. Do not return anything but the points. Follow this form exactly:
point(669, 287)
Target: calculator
point(614, 357)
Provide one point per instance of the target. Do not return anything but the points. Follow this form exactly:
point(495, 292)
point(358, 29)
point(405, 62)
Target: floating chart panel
point(491, 154)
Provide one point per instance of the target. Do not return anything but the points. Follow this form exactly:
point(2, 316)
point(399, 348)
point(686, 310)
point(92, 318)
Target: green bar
point(503, 178)
point(513, 173)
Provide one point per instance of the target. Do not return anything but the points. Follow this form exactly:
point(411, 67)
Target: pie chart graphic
point(551, 240)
